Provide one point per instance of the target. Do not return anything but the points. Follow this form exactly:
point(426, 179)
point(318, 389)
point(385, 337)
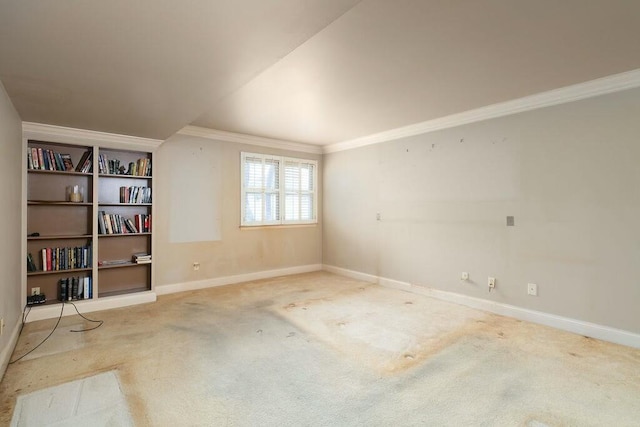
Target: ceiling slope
point(147, 67)
point(389, 64)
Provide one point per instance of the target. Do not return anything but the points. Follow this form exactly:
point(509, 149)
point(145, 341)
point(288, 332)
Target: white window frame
point(281, 191)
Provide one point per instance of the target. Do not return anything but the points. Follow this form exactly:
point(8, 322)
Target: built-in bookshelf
point(55, 224)
point(71, 190)
point(124, 221)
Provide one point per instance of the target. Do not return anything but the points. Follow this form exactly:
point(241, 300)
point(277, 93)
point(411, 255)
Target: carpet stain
point(316, 349)
point(137, 405)
point(264, 303)
point(375, 333)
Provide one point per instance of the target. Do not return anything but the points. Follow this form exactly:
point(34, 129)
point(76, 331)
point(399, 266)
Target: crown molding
point(601, 86)
point(220, 135)
point(67, 135)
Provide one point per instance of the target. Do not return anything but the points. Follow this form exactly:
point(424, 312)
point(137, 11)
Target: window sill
point(274, 226)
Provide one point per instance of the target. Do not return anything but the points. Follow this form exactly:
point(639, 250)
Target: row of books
point(43, 159)
point(143, 222)
point(141, 167)
point(135, 195)
point(118, 224)
point(75, 288)
point(55, 259)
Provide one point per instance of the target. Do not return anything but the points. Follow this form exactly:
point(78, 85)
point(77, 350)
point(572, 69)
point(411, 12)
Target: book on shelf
point(34, 161)
point(63, 287)
point(130, 226)
point(67, 162)
point(141, 258)
point(107, 221)
point(85, 164)
point(135, 195)
point(88, 288)
point(75, 288)
point(44, 159)
point(102, 227)
point(113, 262)
point(102, 164)
point(39, 159)
point(31, 266)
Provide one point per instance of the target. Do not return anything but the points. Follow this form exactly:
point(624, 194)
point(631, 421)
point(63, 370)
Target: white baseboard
point(580, 327)
point(239, 278)
point(86, 306)
point(350, 273)
point(5, 355)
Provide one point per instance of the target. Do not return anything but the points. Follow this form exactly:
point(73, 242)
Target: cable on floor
point(25, 314)
point(87, 319)
point(24, 319)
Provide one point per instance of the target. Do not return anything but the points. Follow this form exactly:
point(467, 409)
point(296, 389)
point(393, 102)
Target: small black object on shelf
point(36, 299)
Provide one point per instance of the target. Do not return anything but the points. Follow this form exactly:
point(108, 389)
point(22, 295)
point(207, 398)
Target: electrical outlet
point(532, 289)
point(35, 291)
point(196, 265)
point(2, 326)
point(464, 276)
point(492, 282)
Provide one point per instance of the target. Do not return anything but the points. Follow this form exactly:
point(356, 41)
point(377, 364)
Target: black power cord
point(88, 320)
point(24, 319)
point(26, 312)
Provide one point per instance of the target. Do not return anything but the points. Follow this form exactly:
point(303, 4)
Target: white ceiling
point(314, 71)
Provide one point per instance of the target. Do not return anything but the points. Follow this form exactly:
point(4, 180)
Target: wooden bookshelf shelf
point(67, 272)
point(119, 265)
point(48, 172)
point(123, 291)
point(124, 234)
point(125, 204)
point(109, 175)
point(56, 203)
point(61, 237)
point(123, 265)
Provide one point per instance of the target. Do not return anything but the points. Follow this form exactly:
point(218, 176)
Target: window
point(278, 190)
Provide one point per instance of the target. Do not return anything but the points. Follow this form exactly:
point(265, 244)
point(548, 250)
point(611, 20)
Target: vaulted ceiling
point(314, 71)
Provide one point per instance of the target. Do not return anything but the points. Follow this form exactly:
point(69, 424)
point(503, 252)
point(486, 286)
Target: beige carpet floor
point(322, 350)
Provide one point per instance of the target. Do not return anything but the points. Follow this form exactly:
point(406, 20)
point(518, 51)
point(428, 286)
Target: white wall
point(10, 224)
point(210, 201)
point(569, 174)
